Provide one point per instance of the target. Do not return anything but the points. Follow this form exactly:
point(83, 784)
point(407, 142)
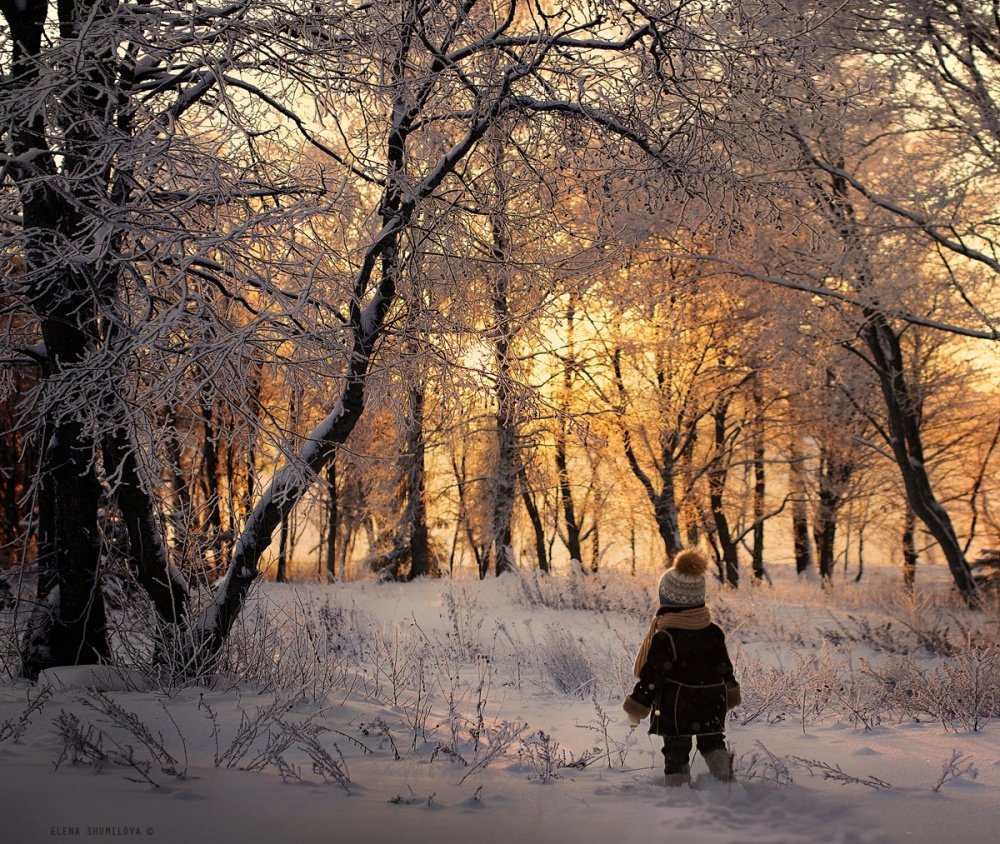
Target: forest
point(332, 291)
point(363, 364)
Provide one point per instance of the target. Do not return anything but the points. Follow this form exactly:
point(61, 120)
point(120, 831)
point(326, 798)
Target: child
point(685, 675)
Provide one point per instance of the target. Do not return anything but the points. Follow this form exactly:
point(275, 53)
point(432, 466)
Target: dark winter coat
point(686, 683)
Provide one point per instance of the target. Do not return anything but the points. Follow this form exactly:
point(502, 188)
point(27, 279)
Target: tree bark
point(503, 493)
point(281, 575)
point(503, 339)
point(332, 520)
point(462, 521)
point(68, 624)
point(805, 558)
point(572, 527)
point(536, 521)
point(664, 502)
point(165, 585)
point(903, 408)
point(834, 474)
point(571, 523)
point(415, 515)
point(760, 485)
point(825, 535)
point(210, 484)
point(717, 475)
point(907, 446)
point(910, 556)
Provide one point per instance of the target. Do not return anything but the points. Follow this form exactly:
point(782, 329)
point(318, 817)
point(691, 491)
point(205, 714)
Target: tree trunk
point(503, 494)
point(666, 515)
point(861, 556)
point(180, 516)
point(571, 523)
point(332, 520)
point(210, 483)
point(415, 517)
point(18, 456)
point(717, 485)
point(165, 585)
point(664, 502)
point(250, 460)
point(825, 535)
point(902, 407)
point(503, 338)
point(479, 556)
point(536, 521)
point(572, 527)
point(805, 559)
point(281, 576)
point(833, 475)
point(907, 447)
point(910, 556)
point(759, 488)
point(67, 625)
point(825, 524)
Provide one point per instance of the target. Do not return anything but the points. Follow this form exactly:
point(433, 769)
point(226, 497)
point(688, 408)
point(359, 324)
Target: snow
point(414, 686)
point(101, 678)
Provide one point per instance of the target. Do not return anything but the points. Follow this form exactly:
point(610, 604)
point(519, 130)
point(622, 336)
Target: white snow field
point(465, 711)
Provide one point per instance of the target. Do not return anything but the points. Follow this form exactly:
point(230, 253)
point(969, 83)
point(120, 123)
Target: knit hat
point(683, 584)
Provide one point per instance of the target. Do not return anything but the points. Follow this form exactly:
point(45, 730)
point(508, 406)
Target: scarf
point(695, 618)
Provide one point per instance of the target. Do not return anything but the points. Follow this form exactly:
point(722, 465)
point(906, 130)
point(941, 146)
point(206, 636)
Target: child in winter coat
point(686, 678)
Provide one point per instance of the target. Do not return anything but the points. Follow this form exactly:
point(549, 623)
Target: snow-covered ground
point(448, 711)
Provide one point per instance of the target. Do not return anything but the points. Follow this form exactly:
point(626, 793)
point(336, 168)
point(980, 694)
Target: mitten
point(634, 710)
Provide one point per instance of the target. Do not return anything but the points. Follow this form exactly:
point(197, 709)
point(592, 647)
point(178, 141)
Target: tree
point(844, 127)
point(677, 378)
point(802, 544)
point(838, 433)
point(136, 144)
point(577, 480)
point(951, 48)
point(17, 451)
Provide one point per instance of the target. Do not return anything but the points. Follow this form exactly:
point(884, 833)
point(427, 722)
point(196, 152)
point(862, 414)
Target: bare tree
point(952, 48)
point(678, 380)
point(145, 181)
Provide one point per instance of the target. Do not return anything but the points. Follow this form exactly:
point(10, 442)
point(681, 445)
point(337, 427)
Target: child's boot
point(677, 779)
point(720, 764)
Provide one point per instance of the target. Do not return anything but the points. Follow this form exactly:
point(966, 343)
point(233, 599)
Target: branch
point(301, 126)
point(607, 121)
point(920, 221)
point(729, 267)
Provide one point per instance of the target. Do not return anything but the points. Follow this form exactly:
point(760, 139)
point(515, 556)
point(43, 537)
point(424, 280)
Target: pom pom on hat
point(683, 584)
point(690, 563)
